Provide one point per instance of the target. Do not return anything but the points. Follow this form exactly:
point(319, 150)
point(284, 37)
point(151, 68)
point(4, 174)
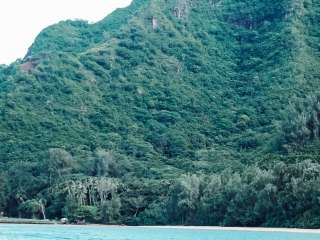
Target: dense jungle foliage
point(194, 112)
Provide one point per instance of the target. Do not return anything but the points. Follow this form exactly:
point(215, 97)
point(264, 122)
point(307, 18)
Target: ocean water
point(46, 232)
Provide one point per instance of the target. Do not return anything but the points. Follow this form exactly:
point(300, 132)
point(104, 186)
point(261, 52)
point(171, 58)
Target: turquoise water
point(37, 232)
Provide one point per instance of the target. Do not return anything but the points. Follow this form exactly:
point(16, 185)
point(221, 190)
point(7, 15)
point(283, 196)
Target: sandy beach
point(212, 228)
point(254, 229)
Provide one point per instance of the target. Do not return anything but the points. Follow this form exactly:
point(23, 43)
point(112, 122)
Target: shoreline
point(248, 229)
point(25, 221)
point(208, 228)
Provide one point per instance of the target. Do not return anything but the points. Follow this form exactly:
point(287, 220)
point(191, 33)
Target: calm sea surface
point(44, 232)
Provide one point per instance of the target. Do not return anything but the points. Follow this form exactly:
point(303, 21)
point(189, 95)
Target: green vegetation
point(210, 116)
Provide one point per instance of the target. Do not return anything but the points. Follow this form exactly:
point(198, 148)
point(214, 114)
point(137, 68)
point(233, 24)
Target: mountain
point(168, 112)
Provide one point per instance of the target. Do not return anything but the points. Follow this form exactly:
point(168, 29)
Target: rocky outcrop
point(181, 9)
point(155, 23)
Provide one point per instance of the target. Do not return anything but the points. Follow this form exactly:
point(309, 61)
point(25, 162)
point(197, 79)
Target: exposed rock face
point(215, 3)
point(29, 65)
point(155, 24)
point(181, 9)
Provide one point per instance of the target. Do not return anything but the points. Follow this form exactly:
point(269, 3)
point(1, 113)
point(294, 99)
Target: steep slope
point(153, 91)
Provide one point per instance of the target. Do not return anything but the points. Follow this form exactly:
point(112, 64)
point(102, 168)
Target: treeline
point(285, 195)
point(276, 194)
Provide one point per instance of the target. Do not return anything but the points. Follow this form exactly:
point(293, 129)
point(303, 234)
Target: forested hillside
point(203, 112)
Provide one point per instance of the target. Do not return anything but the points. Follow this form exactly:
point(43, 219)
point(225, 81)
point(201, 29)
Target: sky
point(22, 20)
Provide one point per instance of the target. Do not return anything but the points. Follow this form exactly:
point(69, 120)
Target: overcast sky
point(22, 20)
